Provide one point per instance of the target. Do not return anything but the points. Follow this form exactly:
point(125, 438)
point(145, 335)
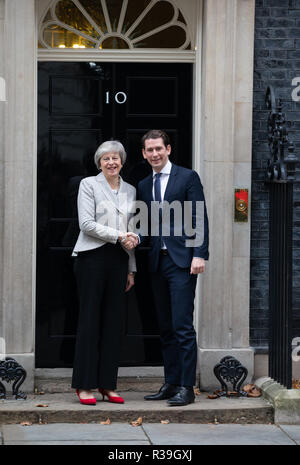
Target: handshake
point(129, 240)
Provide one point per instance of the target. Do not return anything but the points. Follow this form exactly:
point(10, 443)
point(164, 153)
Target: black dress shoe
point(184, 396)
point(165, 392)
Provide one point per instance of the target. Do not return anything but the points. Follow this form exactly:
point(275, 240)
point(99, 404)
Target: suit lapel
point(123, 203)
point(149, 188)
point(106, 190)
point(171, 181)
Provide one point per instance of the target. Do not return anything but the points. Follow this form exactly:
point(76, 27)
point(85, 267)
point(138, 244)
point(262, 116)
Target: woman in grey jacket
point(104, 269)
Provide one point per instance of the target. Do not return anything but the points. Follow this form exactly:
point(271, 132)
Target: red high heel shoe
point(91, 401)
point(113, 399)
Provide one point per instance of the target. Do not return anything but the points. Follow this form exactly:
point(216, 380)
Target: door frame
point(138, 55)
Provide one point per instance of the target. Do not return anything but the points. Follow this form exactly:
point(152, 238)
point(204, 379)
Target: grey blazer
point(103, 214)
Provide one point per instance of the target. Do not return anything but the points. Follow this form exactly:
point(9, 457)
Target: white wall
point(18, 182)
point(2, 110)
point(227, 79)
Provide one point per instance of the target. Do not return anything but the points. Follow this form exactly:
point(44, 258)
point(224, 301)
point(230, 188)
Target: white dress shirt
point(165, 173)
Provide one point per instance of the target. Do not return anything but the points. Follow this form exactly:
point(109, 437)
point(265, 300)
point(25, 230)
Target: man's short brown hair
point(156, 134)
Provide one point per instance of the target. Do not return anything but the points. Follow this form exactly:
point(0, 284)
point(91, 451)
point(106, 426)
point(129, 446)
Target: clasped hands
point(129, 240)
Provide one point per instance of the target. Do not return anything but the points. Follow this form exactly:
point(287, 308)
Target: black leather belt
point(164, 252)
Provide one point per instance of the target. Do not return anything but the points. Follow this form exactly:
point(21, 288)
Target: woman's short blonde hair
point(110, 146)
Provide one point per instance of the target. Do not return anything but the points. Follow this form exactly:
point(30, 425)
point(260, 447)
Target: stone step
point(65, 408)
point(57, 385)
point(59, 380)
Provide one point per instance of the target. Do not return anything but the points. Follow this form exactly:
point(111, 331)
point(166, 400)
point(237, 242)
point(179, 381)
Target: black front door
point(80, 105)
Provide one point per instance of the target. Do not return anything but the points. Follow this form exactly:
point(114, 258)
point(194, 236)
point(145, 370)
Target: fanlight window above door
point(114, 24)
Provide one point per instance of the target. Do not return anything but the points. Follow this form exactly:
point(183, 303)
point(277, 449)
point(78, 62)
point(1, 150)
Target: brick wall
point(276, 61)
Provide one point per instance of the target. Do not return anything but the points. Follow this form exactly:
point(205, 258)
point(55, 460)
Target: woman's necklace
point(115, 187)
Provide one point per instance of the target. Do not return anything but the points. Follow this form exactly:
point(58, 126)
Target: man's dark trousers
point(174, 292)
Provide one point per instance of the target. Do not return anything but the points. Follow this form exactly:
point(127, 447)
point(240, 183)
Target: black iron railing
point(280, 178)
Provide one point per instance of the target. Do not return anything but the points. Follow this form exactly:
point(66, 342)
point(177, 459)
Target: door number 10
point(120, 97)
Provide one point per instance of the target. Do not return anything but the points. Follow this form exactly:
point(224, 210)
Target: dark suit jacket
point(183, 185)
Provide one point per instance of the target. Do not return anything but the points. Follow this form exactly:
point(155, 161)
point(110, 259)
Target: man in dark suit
point(174, 266)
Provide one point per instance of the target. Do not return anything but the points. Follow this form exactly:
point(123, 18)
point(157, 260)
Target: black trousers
point(101, 276)
point(174, 293)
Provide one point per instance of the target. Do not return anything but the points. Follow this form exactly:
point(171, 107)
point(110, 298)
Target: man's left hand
point(197, 265)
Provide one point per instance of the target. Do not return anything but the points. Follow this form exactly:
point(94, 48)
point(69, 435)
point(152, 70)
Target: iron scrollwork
point(11, 370)
point(230, 369)
point(281, 164)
